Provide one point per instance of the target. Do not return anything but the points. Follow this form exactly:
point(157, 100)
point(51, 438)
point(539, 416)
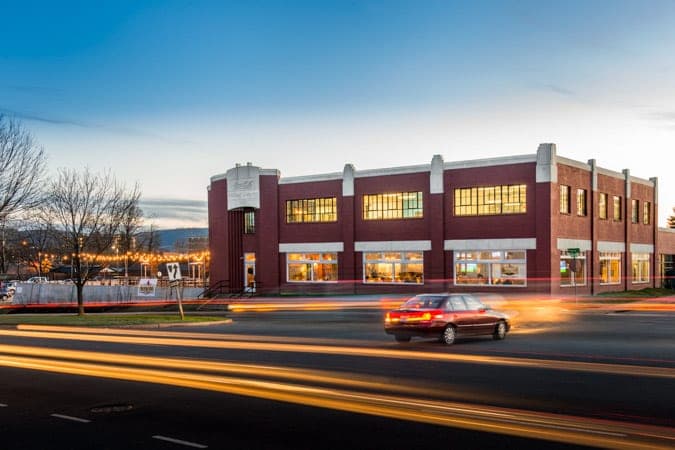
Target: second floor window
point(249, 222)
point(617, 207)
point(646, 212)
point(398, 205)
point(564, 199)
point(635, 211)
point(491, 200)
point(311, 210)
point(581, 202)
point(602, 206)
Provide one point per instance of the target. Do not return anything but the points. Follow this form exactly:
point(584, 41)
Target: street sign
point(573, 251)
point(173, 271)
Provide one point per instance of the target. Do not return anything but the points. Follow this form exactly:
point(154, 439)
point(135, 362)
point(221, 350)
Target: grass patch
point(642, 293)
point(102, 320)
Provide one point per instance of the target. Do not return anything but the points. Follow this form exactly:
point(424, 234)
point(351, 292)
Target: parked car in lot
point(445, 316)
point(37, 280)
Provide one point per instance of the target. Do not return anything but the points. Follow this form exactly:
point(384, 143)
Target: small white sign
point(173, 271)
point(146, 287)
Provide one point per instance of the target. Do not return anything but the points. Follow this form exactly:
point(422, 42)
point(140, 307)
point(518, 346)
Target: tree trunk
point(80, 300)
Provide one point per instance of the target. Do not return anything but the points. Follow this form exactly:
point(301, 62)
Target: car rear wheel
point(449, 335)
point(500, 331)
point(402, 338)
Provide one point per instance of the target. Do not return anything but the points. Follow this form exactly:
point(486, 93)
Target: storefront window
point(610, 268)
point(393, 267)
point(640, 267)
point(311, 267)
point(572, 270)
point(498, 268)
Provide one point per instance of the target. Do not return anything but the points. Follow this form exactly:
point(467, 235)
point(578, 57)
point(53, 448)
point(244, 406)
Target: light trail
point(112, 336)
point(514, 422)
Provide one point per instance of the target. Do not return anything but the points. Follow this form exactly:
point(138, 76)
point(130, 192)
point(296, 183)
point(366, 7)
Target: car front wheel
point(449, 335)
point(500, 331)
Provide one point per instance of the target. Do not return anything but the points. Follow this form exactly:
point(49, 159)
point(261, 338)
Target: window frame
point(497, 257)
point(602, 206)
point(581, 256)
point(504, 199)
point(565, 201)
point(638, 259)
point(312, 262)
point(646, 213)
point(635, 211)
point(609, 257)
point(617, 205)
point(311, 210)
point(582, 202)
point(392, 206)
point(404, 258)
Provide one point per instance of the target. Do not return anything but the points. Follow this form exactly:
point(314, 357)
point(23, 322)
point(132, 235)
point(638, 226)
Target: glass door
point(249, 272)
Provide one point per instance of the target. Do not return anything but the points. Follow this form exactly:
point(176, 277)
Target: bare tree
point(22, 165)
point(88, 211)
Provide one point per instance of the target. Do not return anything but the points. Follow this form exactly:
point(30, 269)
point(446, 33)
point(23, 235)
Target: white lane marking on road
point(3, 405)
point(178, 441)
point(74, 419)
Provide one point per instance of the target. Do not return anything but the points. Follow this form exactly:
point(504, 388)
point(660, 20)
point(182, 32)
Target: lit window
point(581, 202)
point(572, 269)
point(398, 205)
point(646, 212)
point(635, 211)
point(393, 267)
point(311, 267)
point(602, 206)
point(617, 207)
point(311, 210)
point(564, 199)
point(491, 200)
point(491, 267)
point(610, 268)
point(640, 263)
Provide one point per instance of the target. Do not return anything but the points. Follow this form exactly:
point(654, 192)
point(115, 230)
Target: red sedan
point(445, 316)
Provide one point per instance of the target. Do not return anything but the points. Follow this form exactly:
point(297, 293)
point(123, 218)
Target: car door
point(482, 322)
point(460, 315)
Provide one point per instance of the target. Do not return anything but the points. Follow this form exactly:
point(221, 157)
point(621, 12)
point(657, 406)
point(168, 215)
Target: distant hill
point(168, 238)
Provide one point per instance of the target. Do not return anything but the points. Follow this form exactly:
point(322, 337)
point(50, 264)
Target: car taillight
point(387, 318)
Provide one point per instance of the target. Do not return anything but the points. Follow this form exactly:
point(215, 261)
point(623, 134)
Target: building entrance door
point(249, 272)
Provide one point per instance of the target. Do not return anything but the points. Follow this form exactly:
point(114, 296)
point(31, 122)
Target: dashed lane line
point(180, 442)
point(74, 419)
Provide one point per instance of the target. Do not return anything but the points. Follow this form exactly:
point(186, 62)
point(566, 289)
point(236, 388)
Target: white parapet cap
point(487, 162)
point(584, 245)
point(312, 178)
point(392, 246)
point(641, 248)
point(491, 244)
point(611, 247)
point(263, 172)
point(311, 247)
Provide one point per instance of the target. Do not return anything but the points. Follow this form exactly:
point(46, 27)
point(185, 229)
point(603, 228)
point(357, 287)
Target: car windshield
point(424, 302)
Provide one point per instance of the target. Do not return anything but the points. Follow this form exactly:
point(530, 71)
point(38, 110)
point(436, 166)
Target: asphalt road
point(589, 368)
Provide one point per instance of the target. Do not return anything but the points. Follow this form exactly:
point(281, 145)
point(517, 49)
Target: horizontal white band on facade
point(611, 247)
point(583, 245)
point(641, 248)
point(392, 246)
point(491, 244)
point(307, 247)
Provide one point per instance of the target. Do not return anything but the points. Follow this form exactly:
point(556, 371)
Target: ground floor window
point(393, 267)
point(311, 267)
point(640, 267)
point(500, 267)
point(572, 269)
point(610, 268)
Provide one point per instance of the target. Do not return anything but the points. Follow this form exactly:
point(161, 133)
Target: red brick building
point(531, 223)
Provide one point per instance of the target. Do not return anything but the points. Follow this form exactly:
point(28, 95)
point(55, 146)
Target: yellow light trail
point(529, 424)
point(140, 337)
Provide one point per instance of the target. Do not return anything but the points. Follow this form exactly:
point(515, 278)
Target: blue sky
point(170, 93)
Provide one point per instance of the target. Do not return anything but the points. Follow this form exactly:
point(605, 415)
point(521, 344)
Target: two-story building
point(531, 223)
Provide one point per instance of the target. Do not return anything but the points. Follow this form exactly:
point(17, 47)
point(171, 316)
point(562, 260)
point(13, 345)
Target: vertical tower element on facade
point(594, 260)
point(628, 239)
point(347, 215)
point(547, 198)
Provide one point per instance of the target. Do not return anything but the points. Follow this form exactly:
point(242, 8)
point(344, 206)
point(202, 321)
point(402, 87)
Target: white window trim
point(392, 246)
point(312, 247)
point(388, 261)
point(490, 261)
point(649, 268)
point(576, 284)
point(310, 261)
point(612, 258)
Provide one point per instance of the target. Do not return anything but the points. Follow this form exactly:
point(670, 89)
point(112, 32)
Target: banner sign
point(146, 287)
